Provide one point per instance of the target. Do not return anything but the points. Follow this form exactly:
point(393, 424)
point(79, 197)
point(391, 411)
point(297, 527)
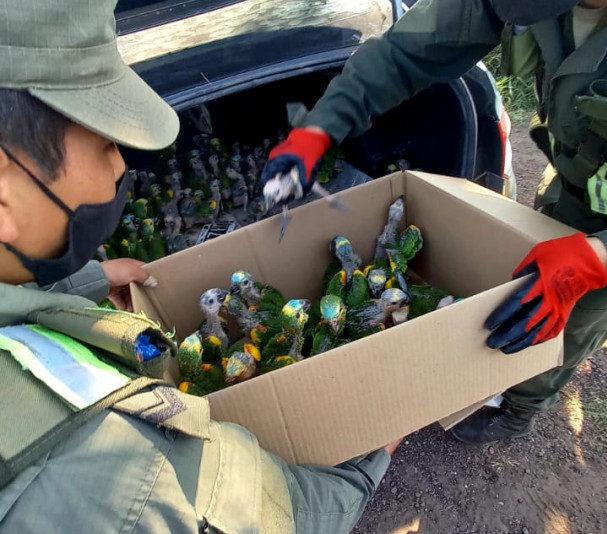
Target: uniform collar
point(550, 35)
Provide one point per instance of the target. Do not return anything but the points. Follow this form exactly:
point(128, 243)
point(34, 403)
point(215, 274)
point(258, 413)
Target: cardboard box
point(359, 397)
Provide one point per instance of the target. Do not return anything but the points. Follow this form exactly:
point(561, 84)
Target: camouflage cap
point(65, 54)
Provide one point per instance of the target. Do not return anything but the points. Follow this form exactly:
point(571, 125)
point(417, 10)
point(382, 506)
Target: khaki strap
point(11, 467)
point(229, 492)
point(170, 408)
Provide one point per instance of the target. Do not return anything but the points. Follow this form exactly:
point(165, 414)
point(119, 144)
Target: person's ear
point(8, 224)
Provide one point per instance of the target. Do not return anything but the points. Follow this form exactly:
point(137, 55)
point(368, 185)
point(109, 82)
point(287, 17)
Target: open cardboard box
point(359, 397)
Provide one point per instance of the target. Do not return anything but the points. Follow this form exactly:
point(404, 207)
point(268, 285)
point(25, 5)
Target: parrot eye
point(246, 283)
point(212, 301)
point(298, 316)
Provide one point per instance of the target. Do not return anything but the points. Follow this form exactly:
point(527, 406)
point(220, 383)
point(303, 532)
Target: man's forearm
point(435, 41)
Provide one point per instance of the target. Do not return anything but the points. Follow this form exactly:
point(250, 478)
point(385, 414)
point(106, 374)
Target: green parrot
point(276, 363)
point(140, 208)
point(424, 299)
point(209, 379)
point(127, 249)
point(343, 251)
point(152, 240)
point(128, 228)
point(370, 317)
point(141, 252)
point(337, 285)
point(289, 341)
point(267, 299)
point(331, 326)
point(352, 292)
point(357, 290)
point(155, 201)
point(242, 364)
point(189, 356)
point(195, 351)
point(246, 318)
point(377, 279)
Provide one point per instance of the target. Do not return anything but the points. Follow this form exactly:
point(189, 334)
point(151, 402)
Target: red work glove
point(563, 270)
point(302, 149)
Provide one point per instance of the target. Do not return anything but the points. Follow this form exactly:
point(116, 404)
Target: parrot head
point(214, 186)
point(241, 282)
point(240, 366)
point(393, 299)
point(215, 143)
point(295, 315)
point(176, 180)
point(343, 251)
point(129, 222)
point(235, 161)
point(173, 165)
point(213, 300)
point(196, 164)
point(214, 160)
point(377, 279)
point(333, 312)
point(192, 344)
point(155, 190)
point(147, 227)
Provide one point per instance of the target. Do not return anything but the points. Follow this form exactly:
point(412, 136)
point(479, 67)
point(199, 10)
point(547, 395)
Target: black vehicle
point(246, 60)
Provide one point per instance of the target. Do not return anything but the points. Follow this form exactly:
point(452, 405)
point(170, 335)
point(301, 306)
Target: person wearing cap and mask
point(563, 42)
point(94, 439)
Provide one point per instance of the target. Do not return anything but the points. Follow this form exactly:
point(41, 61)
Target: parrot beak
point(224, 297)
point(334, 324)
point(235, 289)
point(305, 305)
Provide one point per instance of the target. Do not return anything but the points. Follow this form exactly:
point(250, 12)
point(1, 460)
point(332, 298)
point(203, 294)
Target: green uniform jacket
point(438, 41)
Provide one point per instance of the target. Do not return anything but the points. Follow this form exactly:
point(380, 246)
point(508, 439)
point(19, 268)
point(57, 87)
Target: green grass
point(596, 417)
point(518, 93)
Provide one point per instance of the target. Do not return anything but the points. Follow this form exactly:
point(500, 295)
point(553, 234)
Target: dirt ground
point(553, 482)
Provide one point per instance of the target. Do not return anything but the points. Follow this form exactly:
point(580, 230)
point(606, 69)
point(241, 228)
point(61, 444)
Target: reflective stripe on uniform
point(69, 368)
point(597, 191)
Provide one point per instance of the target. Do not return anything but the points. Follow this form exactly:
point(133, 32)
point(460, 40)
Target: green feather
point(358, 292)
point(424, 299)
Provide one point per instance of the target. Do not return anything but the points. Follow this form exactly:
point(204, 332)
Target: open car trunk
point(433, 131)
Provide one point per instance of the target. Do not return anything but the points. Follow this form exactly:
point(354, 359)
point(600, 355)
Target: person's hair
point(28, 124)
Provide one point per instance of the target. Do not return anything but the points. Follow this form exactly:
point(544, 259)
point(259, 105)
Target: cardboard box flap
point(455, 257)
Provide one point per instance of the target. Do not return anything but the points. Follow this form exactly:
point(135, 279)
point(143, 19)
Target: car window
point(245, 35)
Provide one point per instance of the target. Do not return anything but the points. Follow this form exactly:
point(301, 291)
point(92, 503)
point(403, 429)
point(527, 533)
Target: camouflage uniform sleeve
point(435, 41)
point(89, 282)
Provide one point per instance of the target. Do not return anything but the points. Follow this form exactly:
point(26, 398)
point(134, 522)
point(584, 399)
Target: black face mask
point(90, 225)
point(528, 12)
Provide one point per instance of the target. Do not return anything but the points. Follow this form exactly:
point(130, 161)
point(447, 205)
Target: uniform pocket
point(594, 107)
